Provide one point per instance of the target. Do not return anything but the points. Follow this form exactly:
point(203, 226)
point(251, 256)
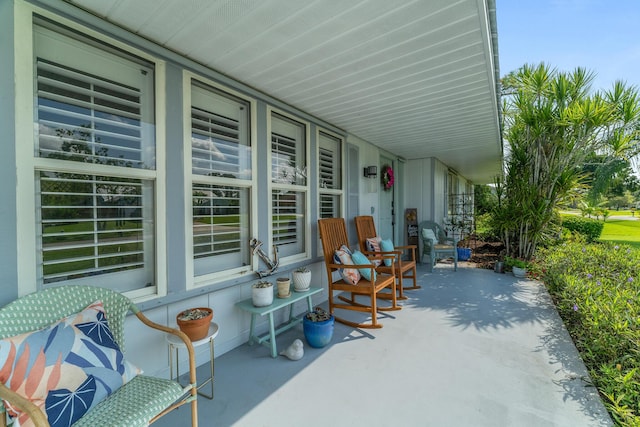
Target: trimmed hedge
point(590, 228)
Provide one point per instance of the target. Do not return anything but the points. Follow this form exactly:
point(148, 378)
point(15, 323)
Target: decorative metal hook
point(272, 265)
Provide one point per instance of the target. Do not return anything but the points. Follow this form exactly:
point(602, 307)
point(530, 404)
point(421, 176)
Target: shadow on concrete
point(472, 345)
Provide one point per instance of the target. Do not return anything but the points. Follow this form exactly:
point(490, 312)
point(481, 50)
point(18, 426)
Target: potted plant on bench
point(301, 279)
point(262, 293)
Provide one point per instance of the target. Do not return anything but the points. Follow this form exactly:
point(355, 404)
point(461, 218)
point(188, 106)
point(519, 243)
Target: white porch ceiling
point(416, 78)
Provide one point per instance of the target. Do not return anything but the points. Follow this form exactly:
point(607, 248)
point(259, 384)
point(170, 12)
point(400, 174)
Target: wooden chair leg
point(414, 278)
point(400, 288)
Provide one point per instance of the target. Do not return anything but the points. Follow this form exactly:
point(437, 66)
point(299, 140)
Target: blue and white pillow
point(343, 256)
point(360, 258)
point(66, 368)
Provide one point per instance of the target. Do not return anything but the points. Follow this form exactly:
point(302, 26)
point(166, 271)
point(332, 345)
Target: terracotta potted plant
point(317, 326)
point(262, 293)
point(301, 279)
point(195, 322)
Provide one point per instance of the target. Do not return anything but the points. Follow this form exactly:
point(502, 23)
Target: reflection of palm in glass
point(88, 121)
point(84, 210)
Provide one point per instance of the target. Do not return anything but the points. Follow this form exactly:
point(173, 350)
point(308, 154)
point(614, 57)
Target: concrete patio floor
point(471, 348)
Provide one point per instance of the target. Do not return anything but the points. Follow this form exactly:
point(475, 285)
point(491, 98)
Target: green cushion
point(134, 404)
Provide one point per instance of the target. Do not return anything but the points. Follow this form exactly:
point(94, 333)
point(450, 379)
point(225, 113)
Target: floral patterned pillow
point(343, 256)
point(373, 245)
point(65, 369)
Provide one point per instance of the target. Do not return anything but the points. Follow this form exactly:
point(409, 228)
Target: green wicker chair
point(139, 402)
point(443, 247)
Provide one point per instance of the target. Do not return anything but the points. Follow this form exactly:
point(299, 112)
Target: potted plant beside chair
point(317, 326)
point(195, 322)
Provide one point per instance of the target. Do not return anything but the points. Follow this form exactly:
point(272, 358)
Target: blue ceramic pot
point(318, 334)
point(464, 254)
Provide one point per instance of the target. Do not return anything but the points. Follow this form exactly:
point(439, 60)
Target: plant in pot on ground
point(518, 266)
point(318, 327)
point(194, 322)
point(301, 279)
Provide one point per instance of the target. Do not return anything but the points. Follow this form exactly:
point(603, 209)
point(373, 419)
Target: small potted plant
point(284, 287)
point(262, 293)
point(317, 326)
point(518, 266)
point(301, 279)
point(194, 322)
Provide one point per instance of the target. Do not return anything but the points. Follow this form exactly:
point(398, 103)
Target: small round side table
point(175, 344)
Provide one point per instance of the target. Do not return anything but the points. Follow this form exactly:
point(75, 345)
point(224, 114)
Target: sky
point(602, 36)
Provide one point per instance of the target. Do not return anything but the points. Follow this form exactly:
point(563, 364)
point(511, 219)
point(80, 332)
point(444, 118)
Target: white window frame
point(340, 169)
point(306, 253)
point(28, 164)
point(340, 192)
point(191, 279)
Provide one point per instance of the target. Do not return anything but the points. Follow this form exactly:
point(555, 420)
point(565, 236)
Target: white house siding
point(423, 187)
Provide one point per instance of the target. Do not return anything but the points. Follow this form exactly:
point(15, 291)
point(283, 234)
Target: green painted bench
point(139, 402)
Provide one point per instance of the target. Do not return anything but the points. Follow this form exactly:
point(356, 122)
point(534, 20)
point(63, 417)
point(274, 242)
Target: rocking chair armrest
point(410, 248)
point(25, 405)
point(335, 266)
point(406, 247)
point(381, 255)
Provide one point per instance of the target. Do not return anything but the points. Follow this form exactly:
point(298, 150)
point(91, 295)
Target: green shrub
point(595, 288)
point(484, 227)
point(590, 228)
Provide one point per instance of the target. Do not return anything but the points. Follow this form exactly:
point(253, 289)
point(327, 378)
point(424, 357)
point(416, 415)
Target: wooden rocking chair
point(333, 233)
point(405, 269)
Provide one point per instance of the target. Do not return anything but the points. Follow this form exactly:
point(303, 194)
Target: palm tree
point(552, 122)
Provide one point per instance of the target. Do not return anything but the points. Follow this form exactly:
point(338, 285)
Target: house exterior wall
point(429, 188)
point(17, 110)
point(8, 192)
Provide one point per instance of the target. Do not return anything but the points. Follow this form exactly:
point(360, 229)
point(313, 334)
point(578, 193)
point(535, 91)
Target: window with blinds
point(329, 175)
point(289, 189)
point(288, 208)
point(84, 118)
point(220, 152)
point(288, 151)
point(91, 225)
point(94, 107)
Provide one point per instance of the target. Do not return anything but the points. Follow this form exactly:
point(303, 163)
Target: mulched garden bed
point(483, 254)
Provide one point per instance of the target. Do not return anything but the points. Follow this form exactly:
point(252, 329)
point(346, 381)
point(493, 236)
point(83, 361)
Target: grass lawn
point(621, 231)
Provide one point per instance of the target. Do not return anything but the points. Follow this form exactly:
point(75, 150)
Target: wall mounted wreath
point(387, 177)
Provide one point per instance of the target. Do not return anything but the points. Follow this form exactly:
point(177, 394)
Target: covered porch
point(471, 348)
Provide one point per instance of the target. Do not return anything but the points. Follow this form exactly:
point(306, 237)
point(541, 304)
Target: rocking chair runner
point(139, 402)
point(333, 234)
point(366, 228)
